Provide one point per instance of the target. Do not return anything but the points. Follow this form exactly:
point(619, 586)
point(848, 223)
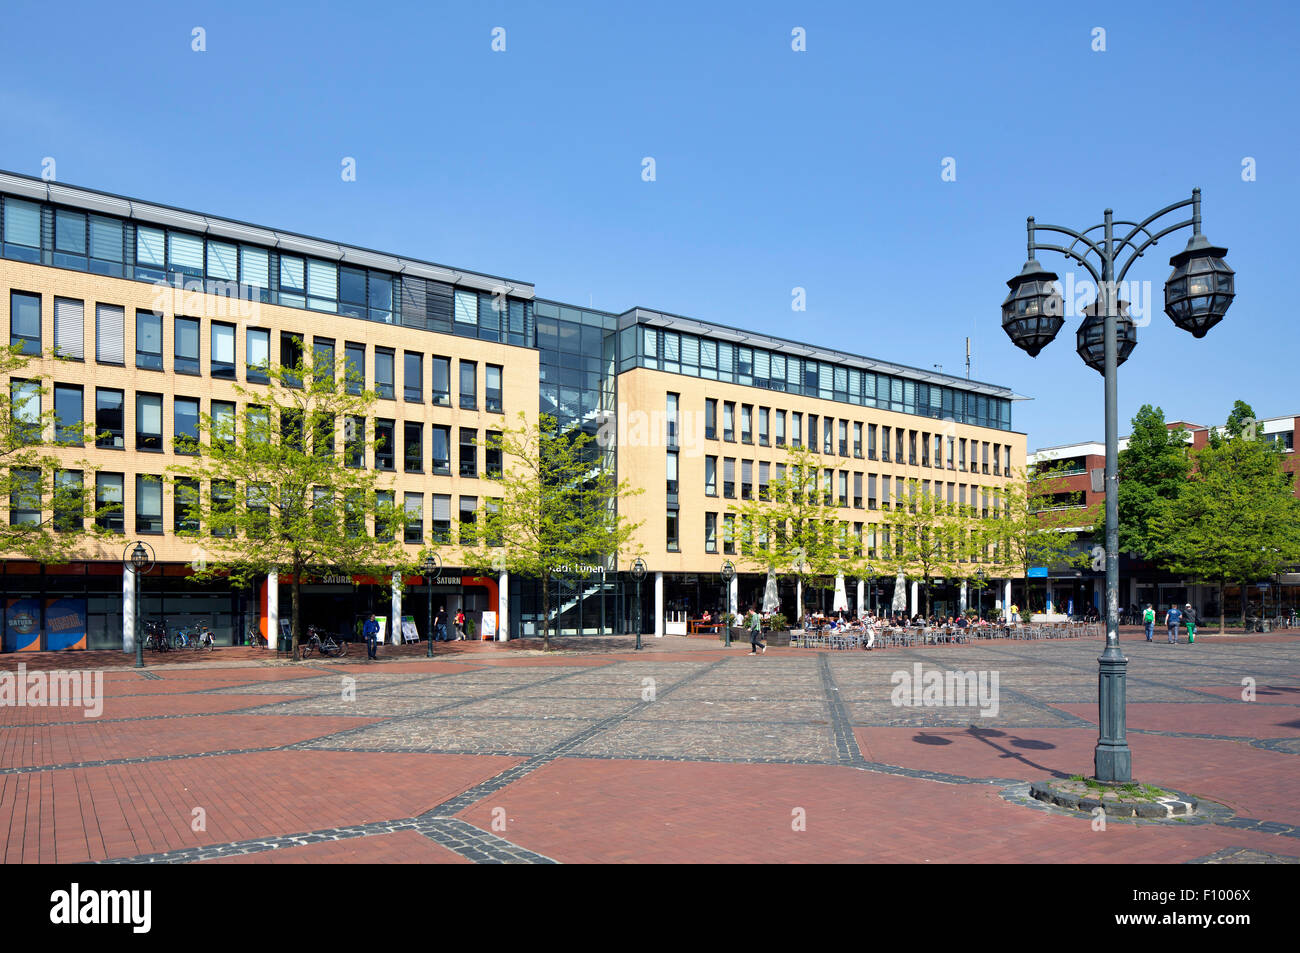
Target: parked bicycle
point(255, 638)
point(155, 636)
point(322, 643)
point(196, 636)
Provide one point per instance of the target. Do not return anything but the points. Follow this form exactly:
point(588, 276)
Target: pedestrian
point(1149, 621)
point(460, 625)
point(440, 625)
point(1189, 616)
point(1172, 618)
point(755, 623)
point(370, 632)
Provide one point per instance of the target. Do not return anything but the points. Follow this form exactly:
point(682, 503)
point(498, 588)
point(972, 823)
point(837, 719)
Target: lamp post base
point(1112, 759)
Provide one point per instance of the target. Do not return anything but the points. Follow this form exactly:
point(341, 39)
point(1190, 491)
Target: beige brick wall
point(519, 381)
point(642, 459)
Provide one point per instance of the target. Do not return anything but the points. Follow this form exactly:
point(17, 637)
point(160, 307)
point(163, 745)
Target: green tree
point(45, 492)
point(791, 529)
point(273, 494)
point(931, 538)
point(1152, 471)
point(1036, 522)
point(557, 507)
point(1236, 519)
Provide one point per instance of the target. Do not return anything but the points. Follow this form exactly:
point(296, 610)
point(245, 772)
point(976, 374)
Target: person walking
point(1189, 616)
point(1172, 618)
point(370, 632)
point(755, 623)
point(460, 625)
point(440, 625)
point(1149, 621)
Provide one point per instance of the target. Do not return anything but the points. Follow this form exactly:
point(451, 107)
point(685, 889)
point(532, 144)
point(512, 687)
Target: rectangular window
point(764, 471)
point(148, 504)
point(763, 415)
point(441, 518)
point(255, 268)
point(384, 503)
point(413, 434)
point(938, 450)
point(951, 452)
point(185, 414)
point(925, 450)
point(779, 434)
point(468, 519)
point(413, 503)
point(69, 503)
point(468, 452)
point(886, 445)
point(223, 508)
point(385, 439)
point(106, 246)
point(796, 429)
point(729, 534)
point(710, 476)
point(108, 502)
point(69, 239)
point(354, 373)
point(185, 501)
point(110, 334)
point(746, 479)
point(746, 423)
point(710, 532)
point(729, 421)
point(814, 434)
point(354, 442)
point(985, 457)
point(223, 422)
point(898, 444)
point(441, 451)
point(384, 360)
point(292, 358)
point(22, 230)
point(961, 459)
point(352, 292)
point(857, 440)
point(492, 454)
point(222, 355)
point(710, 419)
point(109, 418)
point(884, 492)
point(185, 347)
point(466, 308)
point(670, 419)
point(148, 422)
point(857, 490)
point(25, 497)
point(671, 470)
point(492, 389)
point(69, 415)
point(911, 447)
point(729, 478)
point(440, 371)
point(671, 531)
point(844, 438)
point(148, 340)
point(185, 255)
point(871, 441)
point(828, 487)
point(468, 385)
point(69, 328)
point(413, 377)
point(997, 460)
point(871, 491)
point(25, 322)
point(322, 361)
point(322, 285)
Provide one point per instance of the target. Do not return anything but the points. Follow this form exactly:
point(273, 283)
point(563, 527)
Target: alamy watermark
point(939, 689)
point(53, 689)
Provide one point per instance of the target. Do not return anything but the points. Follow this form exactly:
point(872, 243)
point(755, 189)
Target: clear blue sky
point(775, 169)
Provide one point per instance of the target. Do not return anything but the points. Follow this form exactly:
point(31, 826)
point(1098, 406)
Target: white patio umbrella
point(770, 598)
point(841, 602)
point(900, 594)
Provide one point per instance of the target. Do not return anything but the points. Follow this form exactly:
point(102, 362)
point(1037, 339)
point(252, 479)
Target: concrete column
point(798, 600)
point(395, 619)
point(1048, 588)
point(963, 597)
point(1006, 598)
point(733, 595)
point(916, 592)
point(659, 605)
point(503, 605)
point(273, 610)
point(862, 595)
point(128, 610)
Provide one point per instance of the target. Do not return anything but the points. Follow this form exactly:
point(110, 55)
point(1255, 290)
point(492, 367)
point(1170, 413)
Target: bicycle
point(156, 636)
point(255, 638)
point(326, 646)
point(196, 636)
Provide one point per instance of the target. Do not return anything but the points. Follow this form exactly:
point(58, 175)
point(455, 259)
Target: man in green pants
point(1189, 614)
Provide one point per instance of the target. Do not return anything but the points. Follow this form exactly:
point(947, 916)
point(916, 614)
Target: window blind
point(22, 223)
point(69, 325)
point(185, 251)
point(441, 507)
point(105, 239)
point(110, 345)
point(466, 308)
point(223, 261)
point(254, 267)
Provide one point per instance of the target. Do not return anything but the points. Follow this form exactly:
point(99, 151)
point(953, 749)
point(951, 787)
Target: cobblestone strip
point(846, 745)
point(558, 750)
point(142, 759)
point(476, 845)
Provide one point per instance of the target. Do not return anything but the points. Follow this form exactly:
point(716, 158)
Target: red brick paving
point(1242, 719)
point(139, 707)
point(401, 847)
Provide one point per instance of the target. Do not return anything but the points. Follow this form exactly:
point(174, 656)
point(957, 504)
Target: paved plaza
point(685, 752)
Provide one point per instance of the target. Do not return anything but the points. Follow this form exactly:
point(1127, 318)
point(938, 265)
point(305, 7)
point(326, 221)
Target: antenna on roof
point(968, 359)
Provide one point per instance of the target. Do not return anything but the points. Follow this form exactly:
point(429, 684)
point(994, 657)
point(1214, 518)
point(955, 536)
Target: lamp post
point(639, 570)
point(979, 596)
point(728, 574)
point(432, 564)
point(138, 560)
point(1197, 295)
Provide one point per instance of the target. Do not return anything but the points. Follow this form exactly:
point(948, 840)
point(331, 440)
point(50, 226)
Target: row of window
point(871, 539)
point(69, 331)
point(69, 509)
point(109, 430)
point(833, 485)
point(106, 245)
point(767, 427)
point(695, 356)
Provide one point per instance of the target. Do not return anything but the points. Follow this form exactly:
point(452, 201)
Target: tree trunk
point(297, 615)
point(1223, 610)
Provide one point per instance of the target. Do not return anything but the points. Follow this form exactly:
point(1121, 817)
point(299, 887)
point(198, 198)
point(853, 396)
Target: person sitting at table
point(707, 617)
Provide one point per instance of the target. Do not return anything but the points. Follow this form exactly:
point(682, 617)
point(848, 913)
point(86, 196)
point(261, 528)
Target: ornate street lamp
point(1197, 295)
point(639, 570)
point(431, 567)
point(138, 560)
point(979, 595)
point(728, 574)
point(1091, 336)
